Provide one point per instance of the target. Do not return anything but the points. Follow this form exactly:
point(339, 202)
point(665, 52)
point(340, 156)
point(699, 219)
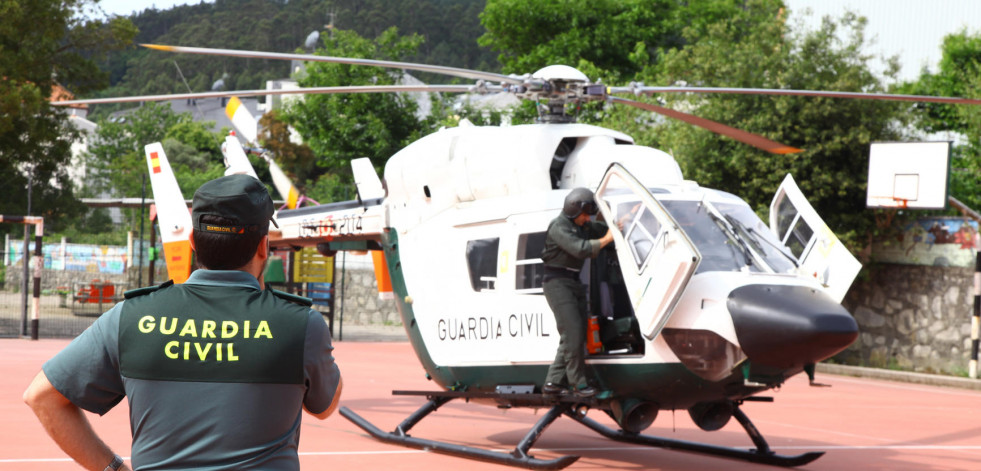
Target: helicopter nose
point(789, 326)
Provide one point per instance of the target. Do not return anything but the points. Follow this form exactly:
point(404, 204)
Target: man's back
point(215, 371)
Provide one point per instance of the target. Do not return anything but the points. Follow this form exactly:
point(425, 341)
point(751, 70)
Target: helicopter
point(701, 305)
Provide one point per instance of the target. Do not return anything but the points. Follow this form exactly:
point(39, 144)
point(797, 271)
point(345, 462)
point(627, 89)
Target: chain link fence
point(78, 283)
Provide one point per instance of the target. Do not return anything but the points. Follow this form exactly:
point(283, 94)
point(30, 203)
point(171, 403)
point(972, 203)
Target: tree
point(342, 127)
point(44, 43)
point(738, 43)
point(757, 49)
point(958, 75)
point(116, 160)
point(296, 160)
point(612, 40)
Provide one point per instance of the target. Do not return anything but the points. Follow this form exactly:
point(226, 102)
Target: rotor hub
point(556, 86)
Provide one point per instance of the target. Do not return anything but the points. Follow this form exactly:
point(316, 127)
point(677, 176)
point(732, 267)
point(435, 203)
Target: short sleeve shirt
point(216, 372)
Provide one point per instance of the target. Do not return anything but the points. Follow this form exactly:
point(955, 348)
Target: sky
point(912, 29)
point(128, 7)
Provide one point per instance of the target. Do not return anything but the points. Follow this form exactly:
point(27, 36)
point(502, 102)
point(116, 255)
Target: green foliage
point(739, 43)
point(115, 160)
point(94, 227)
point(342, 127)
point(756, 49)
point(296, 160)
point(329, 187)
point(959, 75)
point(42, 43)
point(613, 40)
point(450, 27)
point(192, 167)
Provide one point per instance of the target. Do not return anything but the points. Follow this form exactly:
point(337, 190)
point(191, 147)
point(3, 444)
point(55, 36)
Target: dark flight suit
point(566, 248)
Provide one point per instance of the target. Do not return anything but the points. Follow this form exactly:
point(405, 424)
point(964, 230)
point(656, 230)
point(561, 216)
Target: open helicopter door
point(819, 253)
point(656, 257)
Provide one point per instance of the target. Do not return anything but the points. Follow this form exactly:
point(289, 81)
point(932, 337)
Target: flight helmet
point(578, 201)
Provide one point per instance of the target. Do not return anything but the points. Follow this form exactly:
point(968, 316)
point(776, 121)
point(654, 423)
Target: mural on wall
point(109, 259)
point(934, 241)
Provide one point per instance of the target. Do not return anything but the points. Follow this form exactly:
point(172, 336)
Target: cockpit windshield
point(738, 241)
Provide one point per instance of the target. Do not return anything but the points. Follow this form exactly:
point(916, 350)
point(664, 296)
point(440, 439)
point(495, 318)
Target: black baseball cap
point(239, 198)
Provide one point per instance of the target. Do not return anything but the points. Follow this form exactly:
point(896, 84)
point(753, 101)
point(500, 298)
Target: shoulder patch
point(292, 297)
point(133, 293)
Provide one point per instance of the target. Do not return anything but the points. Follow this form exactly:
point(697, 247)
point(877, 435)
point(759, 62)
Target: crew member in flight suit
point(217, 370)
point(571, 238)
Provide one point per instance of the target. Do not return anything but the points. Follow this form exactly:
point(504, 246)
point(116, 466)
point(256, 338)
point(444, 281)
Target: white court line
point(622, 448)
point(825, 431)
point(885, 383)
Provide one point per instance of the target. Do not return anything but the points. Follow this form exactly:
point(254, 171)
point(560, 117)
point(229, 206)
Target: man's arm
point(333, 403)
point(323, 377)
point(606, 239)
point(67, 425)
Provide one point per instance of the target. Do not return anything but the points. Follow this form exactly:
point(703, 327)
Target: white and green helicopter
point(701, 306)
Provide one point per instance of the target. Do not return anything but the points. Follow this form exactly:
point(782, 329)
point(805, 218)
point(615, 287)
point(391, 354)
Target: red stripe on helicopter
point(155, 162)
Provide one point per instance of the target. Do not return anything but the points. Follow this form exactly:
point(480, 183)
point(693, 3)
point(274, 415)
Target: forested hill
point(450, 28)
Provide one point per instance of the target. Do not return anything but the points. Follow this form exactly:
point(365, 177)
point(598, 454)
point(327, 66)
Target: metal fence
point(78, 283)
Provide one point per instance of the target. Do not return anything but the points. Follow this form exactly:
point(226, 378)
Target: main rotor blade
point(437, 69)
point(295, 91)
point(754, 140)
point(814, 93)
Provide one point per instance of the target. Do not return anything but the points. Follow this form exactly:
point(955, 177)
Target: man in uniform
point(217, 370)
point(571, 238)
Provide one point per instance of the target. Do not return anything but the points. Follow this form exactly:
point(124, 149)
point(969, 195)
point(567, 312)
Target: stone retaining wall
point(914, 318)
point(358, 301)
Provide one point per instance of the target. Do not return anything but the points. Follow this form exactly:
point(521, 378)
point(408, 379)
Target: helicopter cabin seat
point(619, 331)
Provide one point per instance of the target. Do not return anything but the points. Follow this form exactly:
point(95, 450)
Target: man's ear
point(190, 238)
point(262, 250)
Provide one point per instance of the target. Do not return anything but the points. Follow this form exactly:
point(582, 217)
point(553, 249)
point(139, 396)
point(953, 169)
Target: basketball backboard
point(911, 175)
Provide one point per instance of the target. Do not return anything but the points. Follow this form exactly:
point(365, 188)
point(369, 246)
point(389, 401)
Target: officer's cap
point(239, 198)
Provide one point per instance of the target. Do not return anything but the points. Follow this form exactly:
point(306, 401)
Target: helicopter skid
point(518, 457)
point(572, 408)
point(762, 454)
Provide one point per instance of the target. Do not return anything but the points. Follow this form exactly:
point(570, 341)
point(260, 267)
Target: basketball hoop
point(908, 175)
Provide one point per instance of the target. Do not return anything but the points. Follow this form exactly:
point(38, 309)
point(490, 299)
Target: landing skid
point(762, 454)
point(519, 455)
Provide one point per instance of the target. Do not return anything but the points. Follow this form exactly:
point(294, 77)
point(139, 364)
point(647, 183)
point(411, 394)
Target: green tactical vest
point(226, 334)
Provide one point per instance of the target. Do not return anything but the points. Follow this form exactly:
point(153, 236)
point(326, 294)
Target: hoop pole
point(38, 223)
point(38, 267)
point(976, 317)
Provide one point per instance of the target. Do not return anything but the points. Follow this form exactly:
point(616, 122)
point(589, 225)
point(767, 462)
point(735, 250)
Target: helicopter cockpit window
point(725, 249)
point(758, 236)
point(793, 230)
point(640, 232)
point(530, 268)
point(482, 263)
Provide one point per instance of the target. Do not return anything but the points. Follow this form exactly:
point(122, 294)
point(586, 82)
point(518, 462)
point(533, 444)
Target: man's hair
point(216, 251)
